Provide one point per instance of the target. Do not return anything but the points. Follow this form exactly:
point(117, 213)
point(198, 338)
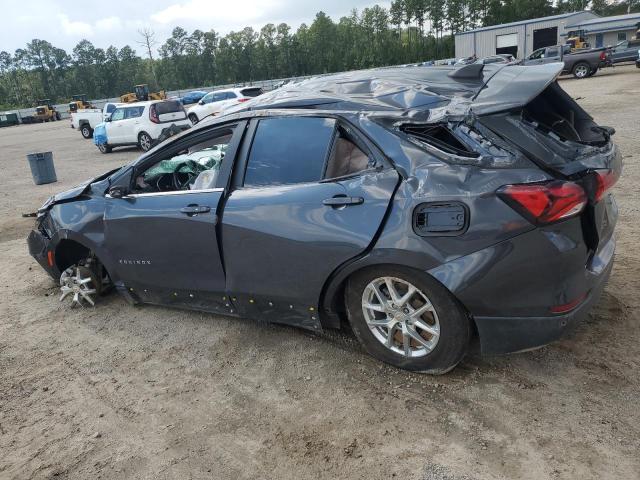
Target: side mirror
point(117, 192)
point(107, 117)
point(201, 102)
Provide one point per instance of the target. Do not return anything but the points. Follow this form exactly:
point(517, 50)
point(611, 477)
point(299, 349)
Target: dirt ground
point(151, 393)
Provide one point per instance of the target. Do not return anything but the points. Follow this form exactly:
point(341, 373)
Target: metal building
point(519, 38)
point(607, 31)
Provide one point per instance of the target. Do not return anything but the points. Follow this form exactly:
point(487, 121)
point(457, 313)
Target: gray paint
point(280, 254)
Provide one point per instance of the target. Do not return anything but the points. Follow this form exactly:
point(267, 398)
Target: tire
point(104, 148)
point(57, 115)
point(145, 142)
point(194, 118)
point(86, 131)
point(444, 316)
point(581, 70)
point(593, 72)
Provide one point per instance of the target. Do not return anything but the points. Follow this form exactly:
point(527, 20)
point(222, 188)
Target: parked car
point(85, 120)
point(192, 97)
point(355, 205)
point(215, 102)
point(582, 63)
point(500, 58)
point(141, 124)
point(626, 51)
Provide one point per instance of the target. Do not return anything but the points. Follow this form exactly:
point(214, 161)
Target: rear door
point(309, 195)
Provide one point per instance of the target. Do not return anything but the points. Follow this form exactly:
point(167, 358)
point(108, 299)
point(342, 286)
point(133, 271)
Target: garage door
point(507, 44)
point(545, 37)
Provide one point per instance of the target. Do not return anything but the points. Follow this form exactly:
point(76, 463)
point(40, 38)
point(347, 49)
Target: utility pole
point(148, 41)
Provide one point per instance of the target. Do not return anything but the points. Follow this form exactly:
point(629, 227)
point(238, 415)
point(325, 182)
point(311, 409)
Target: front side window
point(118, 114)
point(194, 168)
point(208, 98)
point(537, 54)
point(289, 150)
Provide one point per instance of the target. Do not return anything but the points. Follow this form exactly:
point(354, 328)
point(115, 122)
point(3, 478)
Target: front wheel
point(104, 148)
point(407, 319)
point(581, 70)
point(145, 142)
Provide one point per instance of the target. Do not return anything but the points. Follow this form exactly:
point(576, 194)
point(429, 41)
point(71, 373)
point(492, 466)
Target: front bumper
point(39, 249)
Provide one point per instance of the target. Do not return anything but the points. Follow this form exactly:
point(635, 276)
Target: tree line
point(409, 31)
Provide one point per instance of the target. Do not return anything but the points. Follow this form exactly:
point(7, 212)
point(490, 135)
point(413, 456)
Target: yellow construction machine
point(79, 102)
point(45, 111)
point(141, 94)
point(577, 40)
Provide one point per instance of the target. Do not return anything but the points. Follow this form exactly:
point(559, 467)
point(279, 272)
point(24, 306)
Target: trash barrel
point(42, 168)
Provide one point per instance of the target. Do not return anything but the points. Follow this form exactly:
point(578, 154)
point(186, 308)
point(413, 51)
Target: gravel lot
point(152, 393)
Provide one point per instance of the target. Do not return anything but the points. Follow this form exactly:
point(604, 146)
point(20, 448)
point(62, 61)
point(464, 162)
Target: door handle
point(192, 210)
point(342, 201)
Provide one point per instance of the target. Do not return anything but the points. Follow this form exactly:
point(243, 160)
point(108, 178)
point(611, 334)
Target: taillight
point(605, 179)
point(240, 100)
point(153, 114)
point(603, 56)
point(545, 202)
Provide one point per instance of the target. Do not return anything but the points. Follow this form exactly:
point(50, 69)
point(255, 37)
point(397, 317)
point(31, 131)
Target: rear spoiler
point(514, 86)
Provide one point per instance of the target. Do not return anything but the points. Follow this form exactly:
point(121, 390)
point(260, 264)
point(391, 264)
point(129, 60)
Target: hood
point(513, 87)
point(74, 192)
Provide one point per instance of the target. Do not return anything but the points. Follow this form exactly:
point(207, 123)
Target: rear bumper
point(500, 335)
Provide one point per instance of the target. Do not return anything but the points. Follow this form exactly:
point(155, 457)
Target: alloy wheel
point(145, 142)
point(582, 71)
point(78, 283)
point(400, 316)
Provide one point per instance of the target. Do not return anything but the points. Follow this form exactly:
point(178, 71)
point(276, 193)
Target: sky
point(116, 22)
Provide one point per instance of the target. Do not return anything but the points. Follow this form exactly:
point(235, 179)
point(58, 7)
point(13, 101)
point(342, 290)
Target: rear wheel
point(145, 142)
point(581, 70)
point(593, 72)
point(104, 148)
point(407, 319)
point(194, 118)
point(86, 131)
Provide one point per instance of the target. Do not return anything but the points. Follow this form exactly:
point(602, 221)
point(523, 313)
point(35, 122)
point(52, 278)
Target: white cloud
point(75, 28)
point(246, 10)
point(109, 24)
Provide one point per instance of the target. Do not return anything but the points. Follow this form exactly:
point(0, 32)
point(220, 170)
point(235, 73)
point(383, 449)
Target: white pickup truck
point(86, 120)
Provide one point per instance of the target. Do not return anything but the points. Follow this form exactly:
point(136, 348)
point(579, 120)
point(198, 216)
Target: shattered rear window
point(440, 137)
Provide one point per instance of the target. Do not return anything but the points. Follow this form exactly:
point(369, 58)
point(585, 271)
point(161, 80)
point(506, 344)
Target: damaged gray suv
point(418, 206)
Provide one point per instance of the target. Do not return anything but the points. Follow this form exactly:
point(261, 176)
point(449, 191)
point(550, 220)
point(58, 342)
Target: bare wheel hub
point(78, 283)
point(400, 316)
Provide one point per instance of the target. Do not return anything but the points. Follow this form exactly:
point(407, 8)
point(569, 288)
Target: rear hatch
point(527, 108)
point(169, 111)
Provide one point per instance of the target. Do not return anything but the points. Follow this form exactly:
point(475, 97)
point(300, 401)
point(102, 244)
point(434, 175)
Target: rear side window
point(228, 95)
point(346, 157)
point(289, 150)
point(169, 106)
point(134, 112)
point(251, 92)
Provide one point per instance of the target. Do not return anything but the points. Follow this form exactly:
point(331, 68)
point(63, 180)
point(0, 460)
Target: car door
point(114, 127)
point(164, 244)
point(292, 218)
point(131, 122)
